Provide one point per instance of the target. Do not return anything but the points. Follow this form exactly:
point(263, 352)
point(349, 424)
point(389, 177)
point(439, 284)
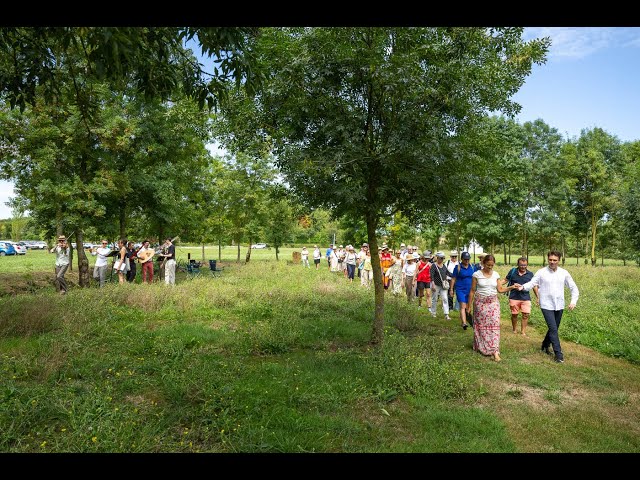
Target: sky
point(590, 79)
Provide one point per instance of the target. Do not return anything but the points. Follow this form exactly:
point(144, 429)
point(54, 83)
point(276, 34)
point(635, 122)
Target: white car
point(20, 249)
point(259, 245)
point(40, 245)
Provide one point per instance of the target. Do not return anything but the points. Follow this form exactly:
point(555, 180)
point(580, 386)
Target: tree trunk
point(593, 237)
point(248, 255)
point(277, 251)
point(504, 251)
point(525, 247)
point(563, 250)
point(203, 257)
point(83, 262)
point(71, 254)
point(238, 245)
point(219, 250)
point(577, 248)
point(586, 248)
point(377, 335)
point(123, 219)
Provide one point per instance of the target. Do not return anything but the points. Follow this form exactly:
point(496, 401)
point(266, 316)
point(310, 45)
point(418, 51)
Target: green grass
point(271, 357)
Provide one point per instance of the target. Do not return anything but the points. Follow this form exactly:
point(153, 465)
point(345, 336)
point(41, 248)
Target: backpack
point(509, 278)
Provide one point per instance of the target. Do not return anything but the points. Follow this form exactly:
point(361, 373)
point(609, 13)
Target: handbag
point(445, 283)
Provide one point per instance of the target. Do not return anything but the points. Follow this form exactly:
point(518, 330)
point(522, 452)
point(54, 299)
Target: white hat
point(402, 245)
point(416, 256)
point(454, 253)
point(440, 254)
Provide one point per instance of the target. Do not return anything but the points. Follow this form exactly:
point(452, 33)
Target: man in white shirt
point(100, 269)
point(551, 281)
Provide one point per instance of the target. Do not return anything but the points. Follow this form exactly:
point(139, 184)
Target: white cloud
point(580, 42)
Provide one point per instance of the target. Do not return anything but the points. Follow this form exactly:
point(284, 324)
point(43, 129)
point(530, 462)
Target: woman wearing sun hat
point(395, 273)
point(386, 260)
point(62, 252)
point(439, 274)
point(461, 282)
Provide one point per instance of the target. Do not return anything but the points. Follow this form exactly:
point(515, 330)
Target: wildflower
point(94, 439)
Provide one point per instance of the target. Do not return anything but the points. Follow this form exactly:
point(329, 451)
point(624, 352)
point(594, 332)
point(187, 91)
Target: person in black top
point(131, 255)
point(169, 262)
point(520, 301)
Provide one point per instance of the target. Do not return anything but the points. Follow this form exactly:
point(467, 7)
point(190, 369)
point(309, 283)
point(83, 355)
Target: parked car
point(20, 249)
point(40, 245)
point(6, 249)
point(259, 245)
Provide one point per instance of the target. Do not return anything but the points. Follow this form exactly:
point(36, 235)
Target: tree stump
point(297, 257)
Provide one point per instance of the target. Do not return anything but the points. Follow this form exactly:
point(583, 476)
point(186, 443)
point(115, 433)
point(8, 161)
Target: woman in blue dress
point(461, 281)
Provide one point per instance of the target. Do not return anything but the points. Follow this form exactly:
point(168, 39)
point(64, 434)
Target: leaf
point(385, 412)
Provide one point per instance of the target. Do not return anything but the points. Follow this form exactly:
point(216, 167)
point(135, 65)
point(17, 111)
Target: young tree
point(353, 111)
point(630, 197)
point(594, 163)
point(279, 220)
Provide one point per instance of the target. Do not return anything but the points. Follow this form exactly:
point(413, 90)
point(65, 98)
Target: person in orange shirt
point(386, 260)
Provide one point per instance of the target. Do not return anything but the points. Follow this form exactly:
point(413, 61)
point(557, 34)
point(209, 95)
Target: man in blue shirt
point(520, 300)
point(329, 250)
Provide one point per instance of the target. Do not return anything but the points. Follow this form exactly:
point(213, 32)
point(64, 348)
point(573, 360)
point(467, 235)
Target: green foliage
point(152, 60)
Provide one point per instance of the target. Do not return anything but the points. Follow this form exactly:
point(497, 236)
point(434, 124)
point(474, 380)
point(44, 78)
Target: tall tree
point(353, 111)
point(630, 197)
point(594, 163)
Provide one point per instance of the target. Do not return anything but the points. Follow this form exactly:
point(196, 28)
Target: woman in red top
point(424, 279)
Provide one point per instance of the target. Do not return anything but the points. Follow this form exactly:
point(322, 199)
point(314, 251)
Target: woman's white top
point(486, 287)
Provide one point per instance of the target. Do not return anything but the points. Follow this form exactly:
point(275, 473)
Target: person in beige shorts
point(520, 301)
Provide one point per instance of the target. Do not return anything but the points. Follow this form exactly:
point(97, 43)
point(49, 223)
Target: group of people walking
point(126, 257)
point(471, 289)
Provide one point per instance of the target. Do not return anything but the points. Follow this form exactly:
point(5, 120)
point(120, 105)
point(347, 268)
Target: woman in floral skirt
point(486, 308)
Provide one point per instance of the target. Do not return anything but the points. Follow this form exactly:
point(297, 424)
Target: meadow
point(272, 357)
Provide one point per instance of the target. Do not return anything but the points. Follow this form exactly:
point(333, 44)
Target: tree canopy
point(361, 119)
